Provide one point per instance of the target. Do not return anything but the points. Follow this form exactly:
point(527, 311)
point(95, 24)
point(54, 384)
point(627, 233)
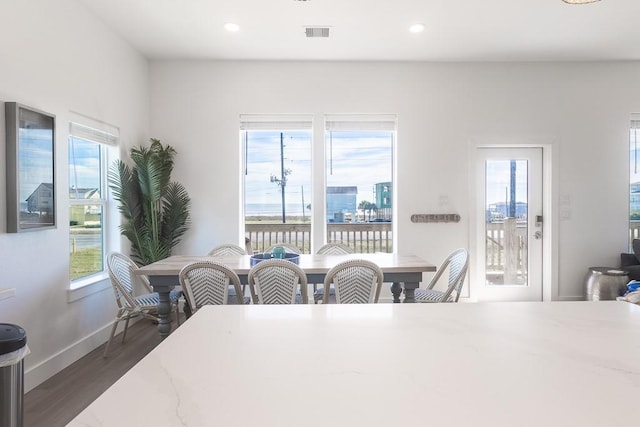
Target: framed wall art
point(30, 146)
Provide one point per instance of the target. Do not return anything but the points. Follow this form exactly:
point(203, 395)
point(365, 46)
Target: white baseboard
point(36, 375)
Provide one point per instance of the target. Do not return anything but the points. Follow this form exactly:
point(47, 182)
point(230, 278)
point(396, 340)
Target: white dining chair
point(457, 264)
point(208, 283)
point(289, 248)
point(355, 281)
point(277, 281)
point(227, 249)
point(121, 274)
point(331, 248)
point(231, 249)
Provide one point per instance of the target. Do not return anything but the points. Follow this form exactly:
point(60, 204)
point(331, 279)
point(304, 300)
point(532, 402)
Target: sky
point(84, 162)
point(35, 154)
point(499, 181)
point(353, 159)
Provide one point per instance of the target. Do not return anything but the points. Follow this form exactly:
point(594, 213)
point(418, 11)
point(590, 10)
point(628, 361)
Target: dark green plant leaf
point(176, 206)
point(155, 211)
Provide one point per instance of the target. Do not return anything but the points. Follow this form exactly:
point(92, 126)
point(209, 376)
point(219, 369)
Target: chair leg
point(113, 332)
point(126, 325)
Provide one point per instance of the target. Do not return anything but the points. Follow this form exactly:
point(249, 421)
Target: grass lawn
point(85, 262)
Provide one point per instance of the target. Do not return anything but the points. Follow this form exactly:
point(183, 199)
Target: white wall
point(55, 57)
point(581, 109)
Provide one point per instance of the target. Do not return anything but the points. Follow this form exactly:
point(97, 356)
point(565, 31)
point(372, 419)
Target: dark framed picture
point(31, 196)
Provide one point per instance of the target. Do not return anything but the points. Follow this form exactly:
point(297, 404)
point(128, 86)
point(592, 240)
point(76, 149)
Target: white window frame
point(107, 137)
point(328, 122)
point(364, 123)
point(272, 122)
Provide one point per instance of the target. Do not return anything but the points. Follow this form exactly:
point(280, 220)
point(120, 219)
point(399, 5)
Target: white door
point(509, 224)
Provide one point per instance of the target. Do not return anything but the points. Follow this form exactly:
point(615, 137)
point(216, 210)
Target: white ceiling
point(456, 30)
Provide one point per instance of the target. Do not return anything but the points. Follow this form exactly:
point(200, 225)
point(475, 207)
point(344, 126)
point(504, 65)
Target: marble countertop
point(7, 293)
point(485, 364)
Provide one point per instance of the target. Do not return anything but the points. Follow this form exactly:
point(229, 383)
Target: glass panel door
point(510, 223)
point(506, 191)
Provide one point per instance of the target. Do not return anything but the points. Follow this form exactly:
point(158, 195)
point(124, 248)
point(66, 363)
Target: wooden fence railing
point(506, 245)
point(362, 237)
point(506, 252)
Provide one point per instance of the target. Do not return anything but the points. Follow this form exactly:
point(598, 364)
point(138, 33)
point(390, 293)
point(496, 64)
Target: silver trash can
point(13, 349)
point(605, 283)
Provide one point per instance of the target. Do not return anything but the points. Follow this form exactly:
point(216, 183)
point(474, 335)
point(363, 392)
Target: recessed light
point(416, 28)
point(231, 27)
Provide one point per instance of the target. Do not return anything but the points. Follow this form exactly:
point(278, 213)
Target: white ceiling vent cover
point(317, 31)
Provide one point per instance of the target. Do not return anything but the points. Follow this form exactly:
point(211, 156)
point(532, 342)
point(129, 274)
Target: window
point(634, 179)
point(358, 197)
point(277, 179)
point(359, 177)
point(89, 141)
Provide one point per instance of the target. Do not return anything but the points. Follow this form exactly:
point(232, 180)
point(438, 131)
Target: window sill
point(91, 285)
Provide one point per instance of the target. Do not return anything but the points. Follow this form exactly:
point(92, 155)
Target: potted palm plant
point(155, 210)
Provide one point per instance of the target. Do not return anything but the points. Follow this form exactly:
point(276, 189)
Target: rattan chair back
point(292, 249)
point(355, 281)
point(207, 283)
point(457, 264)
point(277, 281)
point(228, 249)
point(335, 248)
point(120, 268)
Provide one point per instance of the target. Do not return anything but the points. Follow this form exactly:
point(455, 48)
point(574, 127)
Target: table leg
point(396, 290)
point(410, 292)
point(164, 314)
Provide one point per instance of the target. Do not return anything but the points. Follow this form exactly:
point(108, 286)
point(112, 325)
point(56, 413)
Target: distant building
point(341, 203)
point(498, 211)
point(384, 199)
point(81, 214)
point(41, 200)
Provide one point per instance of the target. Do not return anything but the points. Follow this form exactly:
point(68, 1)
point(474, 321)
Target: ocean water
point(271, 209)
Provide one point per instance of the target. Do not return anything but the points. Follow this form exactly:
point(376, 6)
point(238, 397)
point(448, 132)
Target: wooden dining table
point(404, 272)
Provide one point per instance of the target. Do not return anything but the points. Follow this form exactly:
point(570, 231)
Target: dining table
point(404, 272)
point(506, 364)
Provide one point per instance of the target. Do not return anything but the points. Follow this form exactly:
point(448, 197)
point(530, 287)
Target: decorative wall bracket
point(435, 218)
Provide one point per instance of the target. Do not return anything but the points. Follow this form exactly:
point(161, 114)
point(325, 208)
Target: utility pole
point(512, 187)
point(282, 181)
point(304, 217)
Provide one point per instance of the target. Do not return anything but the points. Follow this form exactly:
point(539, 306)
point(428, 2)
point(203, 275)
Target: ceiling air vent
point(317, 31)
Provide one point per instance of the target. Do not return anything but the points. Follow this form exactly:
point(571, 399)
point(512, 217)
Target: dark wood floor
point(63, 396)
